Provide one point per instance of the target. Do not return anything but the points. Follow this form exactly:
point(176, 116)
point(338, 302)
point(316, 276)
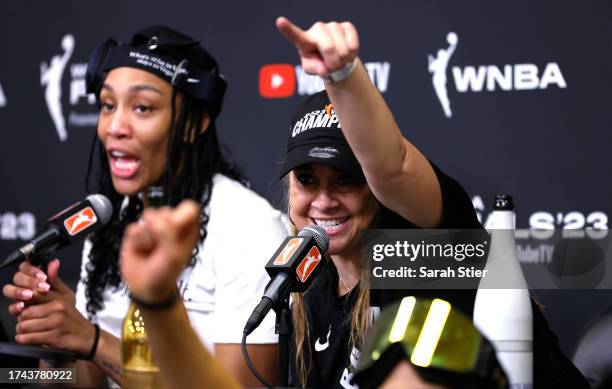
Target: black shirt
point(329, 331)
point(332, 361)
point(327, 343)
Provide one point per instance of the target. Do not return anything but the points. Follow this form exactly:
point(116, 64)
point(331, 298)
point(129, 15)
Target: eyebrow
point(135, 88)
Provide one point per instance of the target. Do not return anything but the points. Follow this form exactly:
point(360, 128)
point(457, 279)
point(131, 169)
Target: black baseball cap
point(315, 137)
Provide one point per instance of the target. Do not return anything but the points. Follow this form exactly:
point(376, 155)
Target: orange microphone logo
point(288, 251)
point(309, 263)
point(82, 220)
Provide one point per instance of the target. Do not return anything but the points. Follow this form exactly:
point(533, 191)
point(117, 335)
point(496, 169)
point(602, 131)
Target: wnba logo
point(77, 223)
point(510, 77)
point(51, 79)
point(305, 269)
point(288, 251)
point(51, 76)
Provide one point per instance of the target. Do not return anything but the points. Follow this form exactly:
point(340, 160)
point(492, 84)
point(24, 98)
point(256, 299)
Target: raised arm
point(430, 60)
point(153, 254)
point(398, 174)
point(452, 40)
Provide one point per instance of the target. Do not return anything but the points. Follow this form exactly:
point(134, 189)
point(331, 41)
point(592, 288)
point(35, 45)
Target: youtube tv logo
point(277, 81)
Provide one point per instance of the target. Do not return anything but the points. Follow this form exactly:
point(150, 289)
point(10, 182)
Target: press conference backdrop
point(508, 98)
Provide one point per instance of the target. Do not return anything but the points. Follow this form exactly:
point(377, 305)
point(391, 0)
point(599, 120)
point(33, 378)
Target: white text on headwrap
point(154, 63)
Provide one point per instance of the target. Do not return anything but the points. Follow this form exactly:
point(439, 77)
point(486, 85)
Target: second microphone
point(292, 268)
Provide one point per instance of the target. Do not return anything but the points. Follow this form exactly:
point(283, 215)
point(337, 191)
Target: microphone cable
point(245, 353)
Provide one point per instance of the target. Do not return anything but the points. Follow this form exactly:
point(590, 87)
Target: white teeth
point(125, 165)
point(118, 154)
point(329, 223)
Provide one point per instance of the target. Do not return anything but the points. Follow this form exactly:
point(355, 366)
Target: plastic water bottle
point(502, 310)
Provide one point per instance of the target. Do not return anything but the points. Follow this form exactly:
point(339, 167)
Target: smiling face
point(322, 195)
point(134, 127)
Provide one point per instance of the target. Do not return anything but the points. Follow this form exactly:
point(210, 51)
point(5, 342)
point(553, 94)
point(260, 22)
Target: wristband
point(157, 305)
point(341, 73)
point(92, 352)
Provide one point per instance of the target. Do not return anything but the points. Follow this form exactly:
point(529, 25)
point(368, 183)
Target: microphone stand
point(283, 329)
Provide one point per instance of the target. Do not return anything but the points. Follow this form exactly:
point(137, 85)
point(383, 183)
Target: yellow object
point(139, 368)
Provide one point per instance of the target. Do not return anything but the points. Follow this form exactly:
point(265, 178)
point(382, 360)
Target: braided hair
point(193, 157)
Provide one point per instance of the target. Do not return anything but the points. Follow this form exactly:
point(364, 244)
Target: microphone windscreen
point(102, 206)
point(319, 235)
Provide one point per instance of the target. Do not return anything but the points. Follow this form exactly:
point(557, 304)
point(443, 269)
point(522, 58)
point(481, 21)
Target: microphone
point(68, 226)
point(292, 268)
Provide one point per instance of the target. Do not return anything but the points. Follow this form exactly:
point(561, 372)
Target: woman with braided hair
point(159, 96)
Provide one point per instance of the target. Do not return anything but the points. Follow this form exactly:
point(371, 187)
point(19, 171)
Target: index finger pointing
point(291, 32)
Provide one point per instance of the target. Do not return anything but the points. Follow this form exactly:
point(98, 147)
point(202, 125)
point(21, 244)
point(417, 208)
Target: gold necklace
point(344, 284)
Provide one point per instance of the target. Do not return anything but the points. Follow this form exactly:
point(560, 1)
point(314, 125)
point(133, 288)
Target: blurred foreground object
point(440, 342)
